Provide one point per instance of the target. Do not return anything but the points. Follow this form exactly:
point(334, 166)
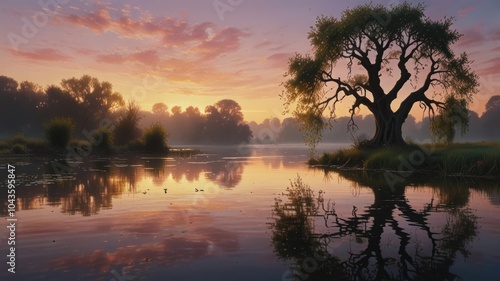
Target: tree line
point(274, 130)
point(26, 106)
point(87, 101)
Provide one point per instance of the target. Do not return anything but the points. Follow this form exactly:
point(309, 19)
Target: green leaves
point(454, 114)
point(379, 39)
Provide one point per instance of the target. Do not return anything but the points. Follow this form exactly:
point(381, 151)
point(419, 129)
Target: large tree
point(379, 41)
point(96, 99)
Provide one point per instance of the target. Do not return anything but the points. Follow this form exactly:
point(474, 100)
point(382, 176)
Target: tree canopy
point(381, 41)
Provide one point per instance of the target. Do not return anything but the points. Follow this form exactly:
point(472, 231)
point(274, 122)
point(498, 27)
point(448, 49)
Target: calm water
point(253, 214)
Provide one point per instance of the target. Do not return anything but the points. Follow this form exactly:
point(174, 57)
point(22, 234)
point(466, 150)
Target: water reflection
point(387, 240)
point(93, 184)
point(170, 250)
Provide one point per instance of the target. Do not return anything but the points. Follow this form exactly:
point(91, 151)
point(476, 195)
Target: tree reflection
point(91, 186)
point(307, 229)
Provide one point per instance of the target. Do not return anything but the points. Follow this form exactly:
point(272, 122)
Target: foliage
point(97, 98)
point(155, 139)
point(106, 136)
point(454, 114)
point(19, 149)
point(160, 108)
point(380, 39)
point(58, 131)
point(126, 129)
point(225, 123)
point(489, 119)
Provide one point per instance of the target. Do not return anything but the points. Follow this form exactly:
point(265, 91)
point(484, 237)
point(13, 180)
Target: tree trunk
point(388, 129)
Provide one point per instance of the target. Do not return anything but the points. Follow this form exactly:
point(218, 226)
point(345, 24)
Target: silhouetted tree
point(97, 99)
point(379, 40)
point(126, 129)
point(160, 109)
point(490, 118)
point(22, 107)
point(306, 225)
point(444, 125)
point(225, 124)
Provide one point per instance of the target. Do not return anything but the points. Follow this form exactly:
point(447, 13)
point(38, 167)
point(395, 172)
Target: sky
point(197, 52)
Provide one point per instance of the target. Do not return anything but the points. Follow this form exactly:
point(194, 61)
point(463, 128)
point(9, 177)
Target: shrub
point(126, 130)
point(58, 131)
point(17, 139)
point(155, 138)
point(19, 149)
point(107, 140)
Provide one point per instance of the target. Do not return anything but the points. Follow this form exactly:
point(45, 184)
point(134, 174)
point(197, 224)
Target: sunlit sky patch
point(198, 52)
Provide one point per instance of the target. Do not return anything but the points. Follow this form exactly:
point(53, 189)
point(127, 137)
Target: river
point(245, 213)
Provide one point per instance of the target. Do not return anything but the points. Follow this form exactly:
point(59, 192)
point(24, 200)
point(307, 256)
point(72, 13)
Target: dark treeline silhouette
point(88, 102)
point(221, 123)
point(26, 105)
point(272, 130)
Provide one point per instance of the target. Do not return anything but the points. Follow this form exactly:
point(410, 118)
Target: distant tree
point(22, 107)
point(443, 126)
point(176, 110)
point(193, 123)
point(378, 40)
point(60, 103)
point(126, 129)
point(490, 118)
point(160, 109)
point(493, 103)
point(290, 131)
point(97, 99)
point(8, 85)
point(225, 123)
point(30, 87)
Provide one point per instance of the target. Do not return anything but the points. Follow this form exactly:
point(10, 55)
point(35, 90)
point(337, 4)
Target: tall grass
point(20, 144)
point(462, 159)
point(155, 139)
point(58, 131)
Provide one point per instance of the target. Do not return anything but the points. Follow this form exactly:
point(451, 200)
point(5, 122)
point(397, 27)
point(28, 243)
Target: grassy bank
point(462, 159)
point(19, 145)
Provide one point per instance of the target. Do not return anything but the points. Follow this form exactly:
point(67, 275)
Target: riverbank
point(18, 146)
point(481, 159)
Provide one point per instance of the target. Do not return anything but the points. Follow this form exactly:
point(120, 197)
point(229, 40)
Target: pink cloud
point(471, 37)
point(111, 58)
point(465, 11)
point(96, 21)
point(263, 44)
point(279, 60)
point(227, 40)
point(148, 57)
point(45, 54)
point(493, 68)
point(202, 38)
